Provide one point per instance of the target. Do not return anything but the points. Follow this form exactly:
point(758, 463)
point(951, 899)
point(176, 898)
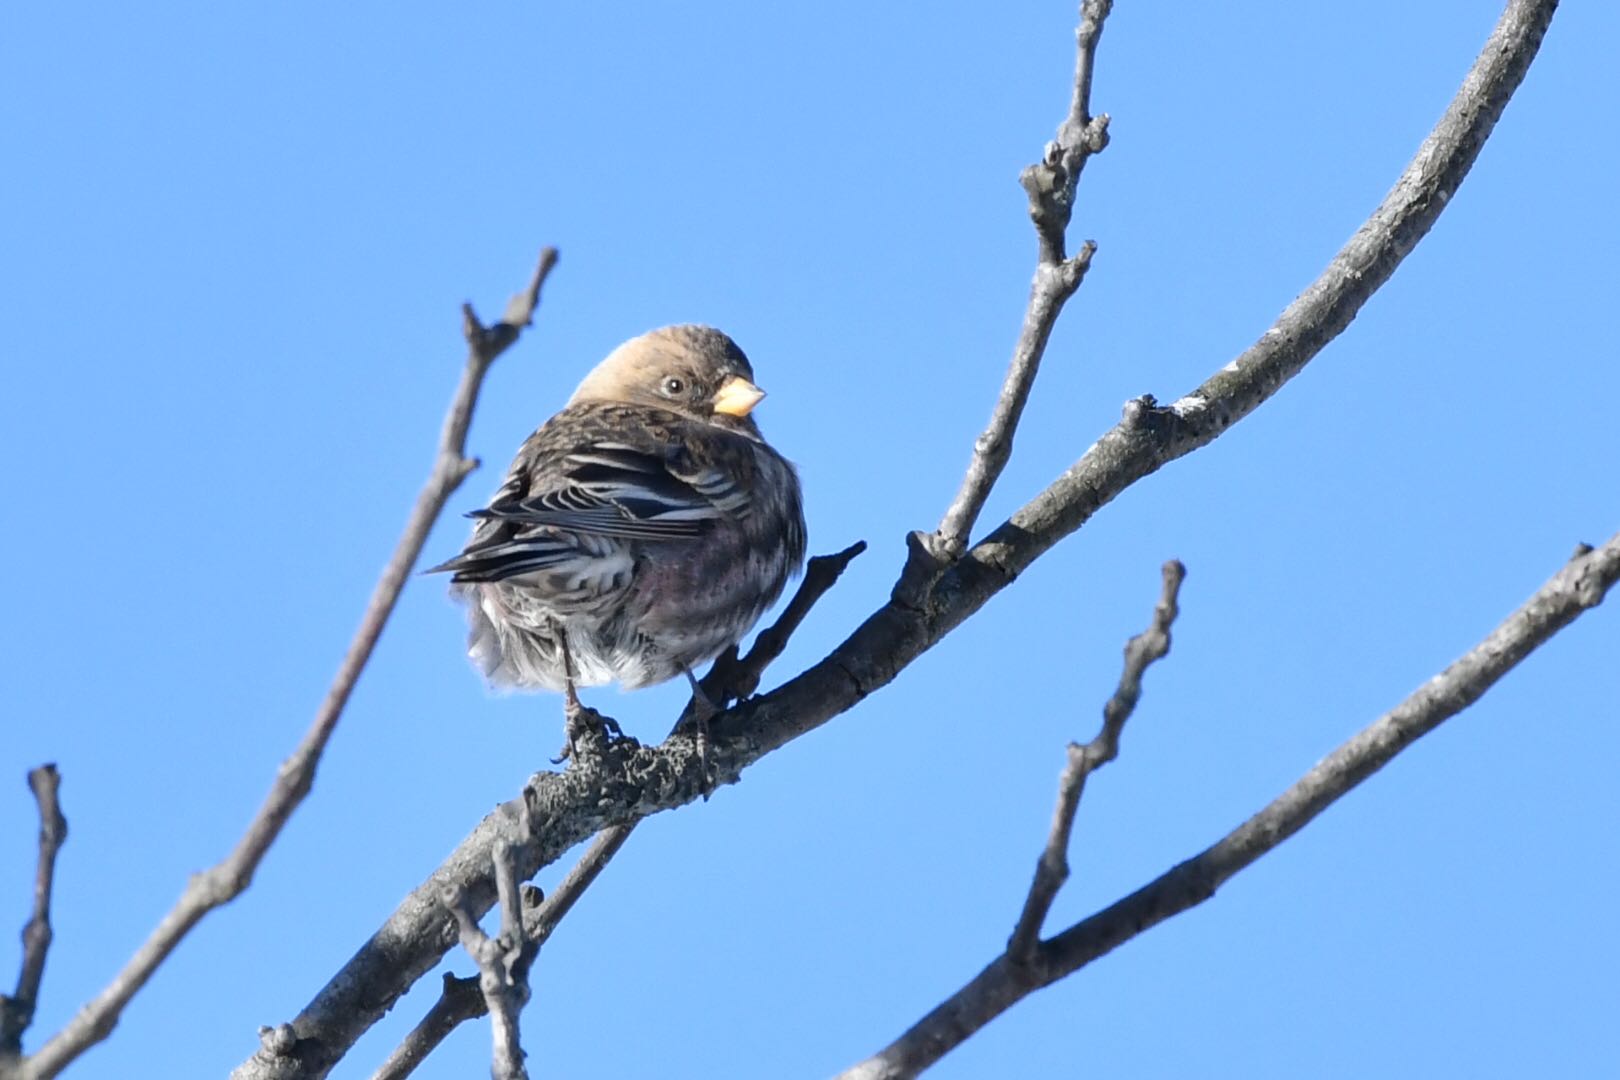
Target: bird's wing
point(564, 501)
point(618, 489)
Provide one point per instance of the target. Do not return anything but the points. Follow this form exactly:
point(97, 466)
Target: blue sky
point(234, 245)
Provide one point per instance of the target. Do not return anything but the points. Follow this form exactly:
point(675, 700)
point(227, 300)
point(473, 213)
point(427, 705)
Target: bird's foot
point(589, 733)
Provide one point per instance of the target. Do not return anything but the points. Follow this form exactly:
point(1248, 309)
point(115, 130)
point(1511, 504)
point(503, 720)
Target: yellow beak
point(737, 397)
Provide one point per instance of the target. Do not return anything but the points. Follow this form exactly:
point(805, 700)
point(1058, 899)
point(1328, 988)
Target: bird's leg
point(571, 703)
point(700, 711)
point(577, 717)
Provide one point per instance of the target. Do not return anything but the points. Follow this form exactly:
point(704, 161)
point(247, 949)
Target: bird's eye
point(673, 387)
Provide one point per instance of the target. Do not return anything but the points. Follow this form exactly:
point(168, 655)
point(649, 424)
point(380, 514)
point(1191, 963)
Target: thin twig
point(1050, 184)
point(1052, 868)
point(544, 919)
point(502, 964)
point(1578, 587)
point(577, 806)
point(460, 1000)
point(729, 679)
point(17, 1010)
point(732, 679)
point(221, 884)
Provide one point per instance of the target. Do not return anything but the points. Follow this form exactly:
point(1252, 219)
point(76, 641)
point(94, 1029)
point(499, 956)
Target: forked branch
point(503, 963)
point(1050, 184)
point(1578, 587)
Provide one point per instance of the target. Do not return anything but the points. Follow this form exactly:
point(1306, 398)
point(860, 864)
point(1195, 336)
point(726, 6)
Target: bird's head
point(696, 371)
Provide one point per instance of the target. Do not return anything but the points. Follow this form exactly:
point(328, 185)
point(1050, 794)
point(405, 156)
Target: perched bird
point(640, 531)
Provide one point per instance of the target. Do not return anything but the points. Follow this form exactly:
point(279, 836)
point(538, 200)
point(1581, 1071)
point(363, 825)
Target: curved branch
point(573, 806)
point(224, 882)
point(1578, 587)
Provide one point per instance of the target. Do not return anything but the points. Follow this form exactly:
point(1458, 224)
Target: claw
point(582, 720)
point(699, 711)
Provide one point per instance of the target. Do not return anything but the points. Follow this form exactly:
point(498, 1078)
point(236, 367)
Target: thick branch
point(1579, 586)
point(1052, 868)
point(17, 1010)
point(223, 883)
point(1050, 184)
point(576, 805)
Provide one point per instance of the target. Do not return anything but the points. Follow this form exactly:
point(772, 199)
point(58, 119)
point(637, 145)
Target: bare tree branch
point(1052, 868)
point(222, 883)
point(503, 964)
point(729, 679)
point(540, 922)
point(1578, 587)
point(17, 1010)
point(460, 1000)
point(573, 806)
point(1050, 184)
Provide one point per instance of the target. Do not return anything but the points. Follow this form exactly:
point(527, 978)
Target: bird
point(640, 532)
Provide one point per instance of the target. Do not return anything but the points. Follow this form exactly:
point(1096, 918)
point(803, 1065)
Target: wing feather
point(609, 482)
